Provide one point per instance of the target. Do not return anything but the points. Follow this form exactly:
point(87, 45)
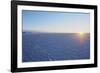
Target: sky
point(55, 22)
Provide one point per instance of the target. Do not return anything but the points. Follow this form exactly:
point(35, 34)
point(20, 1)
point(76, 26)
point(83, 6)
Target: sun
point(81, 33)
point(80, 36)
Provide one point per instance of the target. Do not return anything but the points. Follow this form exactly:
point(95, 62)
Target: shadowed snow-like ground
point(54, 46)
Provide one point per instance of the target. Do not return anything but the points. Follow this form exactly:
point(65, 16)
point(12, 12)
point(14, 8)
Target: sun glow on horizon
point(81, 33)
point(81, 36)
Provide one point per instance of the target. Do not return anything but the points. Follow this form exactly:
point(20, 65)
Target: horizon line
point(52, 32)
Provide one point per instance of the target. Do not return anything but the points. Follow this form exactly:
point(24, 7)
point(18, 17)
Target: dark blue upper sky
point(55, 21)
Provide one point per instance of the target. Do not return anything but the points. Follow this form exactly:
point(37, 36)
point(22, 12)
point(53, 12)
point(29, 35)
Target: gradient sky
point(59, 22)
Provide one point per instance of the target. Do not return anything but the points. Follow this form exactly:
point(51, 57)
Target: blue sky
point(59, 22)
